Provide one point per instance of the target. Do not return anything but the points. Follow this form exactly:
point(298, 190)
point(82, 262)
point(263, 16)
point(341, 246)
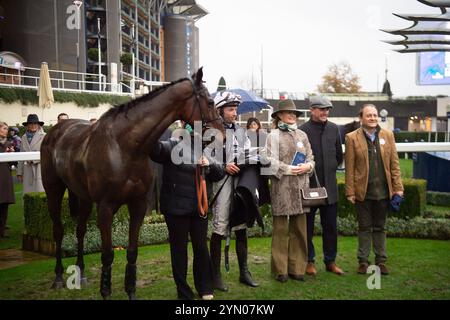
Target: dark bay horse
point(108, 163)
point(347, 128)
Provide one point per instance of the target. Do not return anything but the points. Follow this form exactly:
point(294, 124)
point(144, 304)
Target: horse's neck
point(148, 121)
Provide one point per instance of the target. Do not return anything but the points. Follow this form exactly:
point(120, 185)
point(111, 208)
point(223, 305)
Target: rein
point(200, 182)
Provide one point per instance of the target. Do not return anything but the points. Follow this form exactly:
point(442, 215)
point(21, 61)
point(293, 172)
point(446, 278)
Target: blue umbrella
point(250, 101)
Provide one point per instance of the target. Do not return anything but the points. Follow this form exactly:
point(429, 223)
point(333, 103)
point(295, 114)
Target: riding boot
point(215, 252)
point(245, 276)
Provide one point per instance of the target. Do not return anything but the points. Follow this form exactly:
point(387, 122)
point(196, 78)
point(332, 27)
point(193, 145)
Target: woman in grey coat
point(29, 172)
point(289, 245)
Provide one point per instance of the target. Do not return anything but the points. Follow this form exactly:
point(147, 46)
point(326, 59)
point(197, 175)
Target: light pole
point(78, 3)
point(99, 56)
point(132, 60)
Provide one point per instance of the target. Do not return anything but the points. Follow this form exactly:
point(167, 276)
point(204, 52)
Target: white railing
point(73, 81)
point(401, 147)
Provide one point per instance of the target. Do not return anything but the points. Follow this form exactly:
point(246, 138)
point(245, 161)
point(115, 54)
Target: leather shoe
point(362, 269)
point(281, 278)
point(311, 269)
point(332, 267)
point(297, 277)
point(383, 269)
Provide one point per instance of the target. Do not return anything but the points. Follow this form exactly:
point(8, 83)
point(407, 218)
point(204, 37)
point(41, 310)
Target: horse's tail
point(74, 204)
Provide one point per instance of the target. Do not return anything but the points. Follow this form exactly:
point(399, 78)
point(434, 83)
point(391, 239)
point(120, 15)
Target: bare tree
point(339, 79)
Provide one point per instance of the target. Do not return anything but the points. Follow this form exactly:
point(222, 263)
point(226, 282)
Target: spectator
point(62, 116)
point(6, 183)
point(289, 240)
point(29, 172)
point(372, 178)
point(327, 149)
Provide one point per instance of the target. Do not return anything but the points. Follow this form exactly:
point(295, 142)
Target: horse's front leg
point(137, 209)
point(105, 213)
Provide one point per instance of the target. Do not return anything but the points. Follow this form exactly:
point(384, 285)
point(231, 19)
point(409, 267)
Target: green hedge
point(413, 206)
point(438, 198)
point(413, 136)
point(90, 100)
point(153, 233)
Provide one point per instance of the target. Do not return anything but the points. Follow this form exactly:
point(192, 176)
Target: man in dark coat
point(327, 149)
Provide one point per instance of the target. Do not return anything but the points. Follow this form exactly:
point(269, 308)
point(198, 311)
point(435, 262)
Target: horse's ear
point(199, 77)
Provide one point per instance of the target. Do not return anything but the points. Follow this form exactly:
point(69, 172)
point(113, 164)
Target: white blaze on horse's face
point(319, 114)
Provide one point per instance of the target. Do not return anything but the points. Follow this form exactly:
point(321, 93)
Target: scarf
point(286, 127)
point(30, 135)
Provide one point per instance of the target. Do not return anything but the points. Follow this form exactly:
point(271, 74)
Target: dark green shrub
point(126, 59)
point(413, 206)
point(91, 100)
point(93, 54)
point(438, 198)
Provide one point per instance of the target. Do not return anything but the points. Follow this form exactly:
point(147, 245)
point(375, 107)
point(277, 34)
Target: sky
point(300, 39)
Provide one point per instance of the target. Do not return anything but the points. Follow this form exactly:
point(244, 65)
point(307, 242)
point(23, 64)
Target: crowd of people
point(237, 187)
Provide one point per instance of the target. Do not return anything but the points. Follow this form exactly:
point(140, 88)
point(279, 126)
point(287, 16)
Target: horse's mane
point(125, 107)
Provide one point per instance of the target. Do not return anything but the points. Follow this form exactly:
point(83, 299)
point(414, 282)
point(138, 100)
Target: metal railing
point(61, 80)
point(401, 147)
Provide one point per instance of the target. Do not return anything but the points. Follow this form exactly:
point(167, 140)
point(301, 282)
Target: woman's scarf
point(286, 127)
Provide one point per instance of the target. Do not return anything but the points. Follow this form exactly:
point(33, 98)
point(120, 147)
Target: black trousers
point(180, 227)
point(328, 217)
point(3, 217)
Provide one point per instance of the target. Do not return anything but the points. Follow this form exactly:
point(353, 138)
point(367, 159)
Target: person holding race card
point(291, 163)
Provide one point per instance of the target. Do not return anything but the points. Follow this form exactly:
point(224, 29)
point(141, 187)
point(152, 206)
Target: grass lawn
point(15, 222)
point(419, 270)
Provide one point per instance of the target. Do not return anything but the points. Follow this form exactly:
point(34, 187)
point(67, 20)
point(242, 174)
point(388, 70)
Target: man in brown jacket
point(372, 177)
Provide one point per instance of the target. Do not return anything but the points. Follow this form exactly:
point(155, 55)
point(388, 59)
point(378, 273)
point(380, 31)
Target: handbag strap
point(317, 179)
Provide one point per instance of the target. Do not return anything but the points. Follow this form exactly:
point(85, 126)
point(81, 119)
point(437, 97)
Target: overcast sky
point(301, 38)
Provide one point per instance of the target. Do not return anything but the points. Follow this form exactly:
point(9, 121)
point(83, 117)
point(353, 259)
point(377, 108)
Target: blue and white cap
point(226, 98)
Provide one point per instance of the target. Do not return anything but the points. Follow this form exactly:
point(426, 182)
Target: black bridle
point(200, 93)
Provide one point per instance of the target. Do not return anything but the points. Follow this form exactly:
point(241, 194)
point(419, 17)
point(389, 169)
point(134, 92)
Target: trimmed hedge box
point(413, 206)
point(438, 198)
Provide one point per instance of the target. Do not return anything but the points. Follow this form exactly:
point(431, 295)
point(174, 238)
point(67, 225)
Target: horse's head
point(200, 106)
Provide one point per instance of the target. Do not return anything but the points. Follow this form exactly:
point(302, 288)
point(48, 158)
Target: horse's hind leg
point(105, 213)
point(137, 211)
point(54, 199)
point(84, 213)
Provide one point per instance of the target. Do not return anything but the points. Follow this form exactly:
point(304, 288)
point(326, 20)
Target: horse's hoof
point(58, 285)
point(132, 296)
point(106, 296)
point(84, 281)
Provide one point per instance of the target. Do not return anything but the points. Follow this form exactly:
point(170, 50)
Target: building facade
point(67, 34)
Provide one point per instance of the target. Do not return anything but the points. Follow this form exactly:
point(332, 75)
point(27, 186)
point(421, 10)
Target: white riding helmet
point(226, 98)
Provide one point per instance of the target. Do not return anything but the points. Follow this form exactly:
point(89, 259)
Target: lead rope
point(202, 193)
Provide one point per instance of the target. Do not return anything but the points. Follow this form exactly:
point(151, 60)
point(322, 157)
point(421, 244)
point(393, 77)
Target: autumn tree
point(339, 79)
